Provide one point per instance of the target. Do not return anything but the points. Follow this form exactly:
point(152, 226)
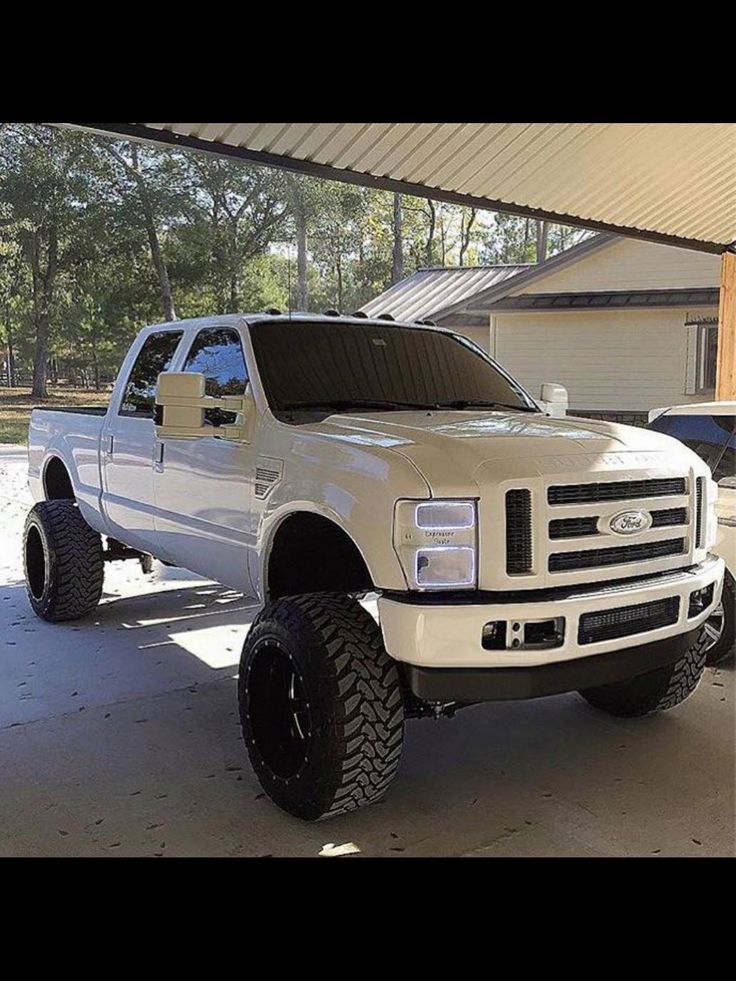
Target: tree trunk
point(149, 220)
point(43, 294)
point(159, 263)
point(397, 259)
point(429, 249)
point(95, 363)
point(300, 225)
point(465, 231)
point(11, 352)
point(542, 236)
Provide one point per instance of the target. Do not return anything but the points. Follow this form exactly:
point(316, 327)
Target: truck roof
point(253, 319)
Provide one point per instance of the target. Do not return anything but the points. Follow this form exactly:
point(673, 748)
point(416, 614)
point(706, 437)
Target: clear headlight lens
point(436, 542)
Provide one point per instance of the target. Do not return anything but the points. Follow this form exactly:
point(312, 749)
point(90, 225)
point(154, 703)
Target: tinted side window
point(154, 357)
point(217, 354)
point(707, 436)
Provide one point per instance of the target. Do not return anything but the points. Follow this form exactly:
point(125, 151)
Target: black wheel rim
point(713, 627)
point(278, 710)
point(35, 563)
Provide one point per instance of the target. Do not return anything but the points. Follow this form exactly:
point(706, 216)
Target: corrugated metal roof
point(613, 299)
point(671, 181)
point(427, 292)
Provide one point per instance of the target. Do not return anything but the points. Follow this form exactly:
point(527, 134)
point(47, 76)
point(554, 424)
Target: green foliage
point(93, 231)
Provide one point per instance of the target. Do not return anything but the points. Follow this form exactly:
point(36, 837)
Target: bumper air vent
point(627, 620)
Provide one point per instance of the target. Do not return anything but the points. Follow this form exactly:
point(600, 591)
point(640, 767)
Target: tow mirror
point(554, 399)
point(181, 403)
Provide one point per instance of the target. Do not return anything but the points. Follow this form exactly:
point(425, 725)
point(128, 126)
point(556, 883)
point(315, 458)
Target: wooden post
point(726, 374)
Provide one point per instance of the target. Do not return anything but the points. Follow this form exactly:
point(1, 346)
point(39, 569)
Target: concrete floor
point(119, 736)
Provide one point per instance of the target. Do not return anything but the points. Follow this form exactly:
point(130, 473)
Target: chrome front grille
point(568, 533)
point(583, 527)
point(616, 490)
point(595, 558)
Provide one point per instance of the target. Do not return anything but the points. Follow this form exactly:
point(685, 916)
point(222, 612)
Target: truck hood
point(451, 447)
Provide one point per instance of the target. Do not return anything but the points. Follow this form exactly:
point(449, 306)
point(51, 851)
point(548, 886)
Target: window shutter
point(691, 359)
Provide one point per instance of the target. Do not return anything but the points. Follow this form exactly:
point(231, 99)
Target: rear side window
point(154, 357)
point(708, 436)
point(217, 354)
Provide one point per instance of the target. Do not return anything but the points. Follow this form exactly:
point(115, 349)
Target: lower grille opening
point(596, 557)
point(627, 620)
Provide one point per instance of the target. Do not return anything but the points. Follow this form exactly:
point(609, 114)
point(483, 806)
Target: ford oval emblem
point(630, 522)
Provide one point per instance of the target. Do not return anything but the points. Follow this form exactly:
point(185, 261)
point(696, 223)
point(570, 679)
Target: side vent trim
point(518, 532)
point(268, 474)
point(699, 491)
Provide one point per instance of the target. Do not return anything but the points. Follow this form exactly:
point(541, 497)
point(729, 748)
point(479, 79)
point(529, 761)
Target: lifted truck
point(311, 461)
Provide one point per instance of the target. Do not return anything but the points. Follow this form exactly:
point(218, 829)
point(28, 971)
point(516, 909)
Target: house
point(624, 325)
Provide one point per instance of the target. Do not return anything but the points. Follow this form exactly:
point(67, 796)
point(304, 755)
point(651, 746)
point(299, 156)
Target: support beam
point(726, 375)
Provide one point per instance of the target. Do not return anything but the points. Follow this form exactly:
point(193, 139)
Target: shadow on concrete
point(121, 736)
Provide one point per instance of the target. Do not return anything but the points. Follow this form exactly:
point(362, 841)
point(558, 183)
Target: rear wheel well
point(57, 482)
point(311, 554)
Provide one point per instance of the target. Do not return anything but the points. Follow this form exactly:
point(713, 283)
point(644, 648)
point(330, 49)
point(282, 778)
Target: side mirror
point(554, 399)
point(181, 404)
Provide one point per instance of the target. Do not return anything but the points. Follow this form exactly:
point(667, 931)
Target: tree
point(141, 170)
point(44, 192)
point(235, 212)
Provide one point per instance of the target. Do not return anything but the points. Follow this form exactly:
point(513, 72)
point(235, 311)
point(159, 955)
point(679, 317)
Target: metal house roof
point(427, 292)
point(667, 182)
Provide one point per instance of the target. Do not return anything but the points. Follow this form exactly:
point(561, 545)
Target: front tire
point(655, 691)
point(320, 705)
point(720, 627)
point(62, 559)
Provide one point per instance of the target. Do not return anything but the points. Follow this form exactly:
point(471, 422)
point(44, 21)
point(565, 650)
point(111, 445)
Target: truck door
point(202, 486)
point(126, 447)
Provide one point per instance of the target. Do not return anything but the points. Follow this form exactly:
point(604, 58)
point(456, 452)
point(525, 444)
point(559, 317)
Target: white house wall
point(627, 264)
point(626, 361)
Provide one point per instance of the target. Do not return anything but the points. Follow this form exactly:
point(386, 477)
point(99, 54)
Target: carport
point(673, 183)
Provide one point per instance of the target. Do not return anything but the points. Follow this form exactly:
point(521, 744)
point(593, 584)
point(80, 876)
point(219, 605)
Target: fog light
point(494, 636)
point(700, 600)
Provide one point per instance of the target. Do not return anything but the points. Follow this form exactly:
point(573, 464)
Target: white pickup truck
point(314, 461)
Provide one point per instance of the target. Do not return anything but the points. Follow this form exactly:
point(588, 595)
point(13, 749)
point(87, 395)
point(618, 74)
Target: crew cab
point(315, 462)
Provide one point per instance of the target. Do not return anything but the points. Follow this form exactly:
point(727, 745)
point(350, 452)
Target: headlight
point(436, 542)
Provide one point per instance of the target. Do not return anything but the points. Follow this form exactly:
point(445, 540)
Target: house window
point(704, 335)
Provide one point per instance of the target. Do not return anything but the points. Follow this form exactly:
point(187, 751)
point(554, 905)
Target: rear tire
point(720, 627)
point(320, 705)
point(62, 559)
point(655, 691)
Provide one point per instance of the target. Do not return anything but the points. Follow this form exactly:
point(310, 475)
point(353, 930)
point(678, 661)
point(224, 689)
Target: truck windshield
point(337, 367)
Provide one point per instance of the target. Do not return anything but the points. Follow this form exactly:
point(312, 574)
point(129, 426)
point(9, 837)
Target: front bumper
point(470, 685)
point(448, 633)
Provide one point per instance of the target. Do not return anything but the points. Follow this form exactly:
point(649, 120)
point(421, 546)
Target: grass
point(16, 405)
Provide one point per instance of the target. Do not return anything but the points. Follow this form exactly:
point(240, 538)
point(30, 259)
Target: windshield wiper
point(343, 405)
point(483, 404)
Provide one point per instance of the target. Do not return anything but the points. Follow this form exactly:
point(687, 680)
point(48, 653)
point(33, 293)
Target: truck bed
point(82, 410)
